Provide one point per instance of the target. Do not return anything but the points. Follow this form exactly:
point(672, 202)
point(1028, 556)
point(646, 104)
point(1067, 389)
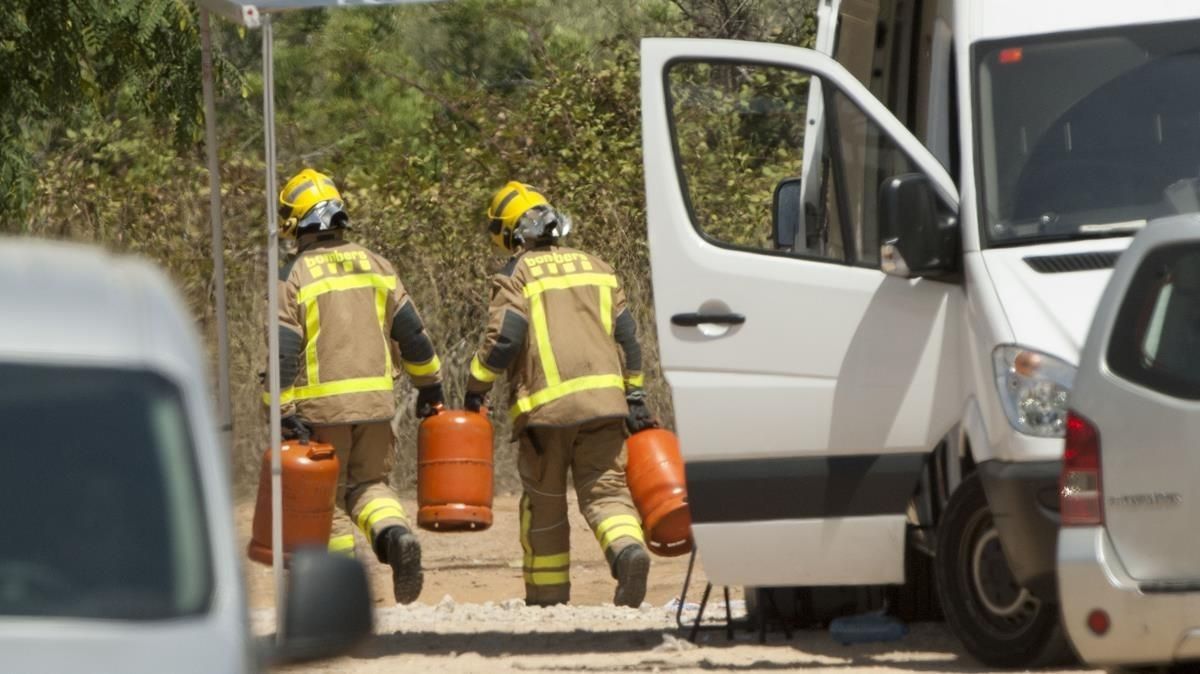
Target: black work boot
point(401, 550)
point(631, 568)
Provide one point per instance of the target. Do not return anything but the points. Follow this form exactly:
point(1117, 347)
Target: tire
point(998, 622)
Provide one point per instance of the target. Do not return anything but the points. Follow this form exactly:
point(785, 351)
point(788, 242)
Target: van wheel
point(999, 622)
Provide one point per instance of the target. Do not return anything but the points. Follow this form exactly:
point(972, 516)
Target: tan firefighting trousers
point(367, 454)
point(595, 454)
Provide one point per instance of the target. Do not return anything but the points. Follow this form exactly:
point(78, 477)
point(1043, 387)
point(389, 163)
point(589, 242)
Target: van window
point(1088, 134)
point(1157, 334)
point(739, 130)
point(103, 516)
point(863, 159)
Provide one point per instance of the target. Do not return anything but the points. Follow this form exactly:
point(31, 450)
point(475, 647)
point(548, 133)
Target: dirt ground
point(470, 619)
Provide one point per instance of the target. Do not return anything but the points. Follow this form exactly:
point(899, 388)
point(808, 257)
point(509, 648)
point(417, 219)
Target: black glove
point(639, 418)
point(429, 399)
point(295, 428)
point(474, 402)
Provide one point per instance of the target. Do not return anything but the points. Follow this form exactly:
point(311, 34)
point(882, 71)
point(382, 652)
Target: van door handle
point(694, 319)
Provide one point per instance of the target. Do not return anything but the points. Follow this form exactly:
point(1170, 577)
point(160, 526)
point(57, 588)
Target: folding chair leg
point(762, 616)
point(728, 616)
point(700, 613)
point(687, 582)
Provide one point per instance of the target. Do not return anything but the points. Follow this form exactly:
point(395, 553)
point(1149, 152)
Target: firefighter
point(345, 323)
point(558, 325)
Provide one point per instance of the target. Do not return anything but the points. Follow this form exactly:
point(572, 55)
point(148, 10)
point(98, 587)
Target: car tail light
point(1099, 622)
point(1081, 498)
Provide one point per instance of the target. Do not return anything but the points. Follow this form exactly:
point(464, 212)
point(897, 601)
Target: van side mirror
point(785, 213)
point(919, 237)
point(328, 609)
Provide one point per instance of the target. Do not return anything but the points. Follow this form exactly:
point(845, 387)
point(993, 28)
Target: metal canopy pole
point(224, 406)
point(273, 325)
point(247, 14)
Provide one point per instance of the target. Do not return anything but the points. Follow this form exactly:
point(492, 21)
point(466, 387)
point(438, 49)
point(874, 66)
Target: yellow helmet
point(518, 213)
point(310, 202)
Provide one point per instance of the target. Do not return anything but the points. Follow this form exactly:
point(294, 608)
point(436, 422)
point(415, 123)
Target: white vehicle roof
point(69, 303)
point(992, 19)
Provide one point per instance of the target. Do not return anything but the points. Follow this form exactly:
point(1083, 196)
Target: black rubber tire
point(1034, 639)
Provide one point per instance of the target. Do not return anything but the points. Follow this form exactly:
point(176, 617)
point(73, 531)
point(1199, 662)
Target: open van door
point(809, 386)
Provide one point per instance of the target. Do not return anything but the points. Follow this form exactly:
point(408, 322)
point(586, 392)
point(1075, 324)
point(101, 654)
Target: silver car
point(117, 546)
point(1129, 550)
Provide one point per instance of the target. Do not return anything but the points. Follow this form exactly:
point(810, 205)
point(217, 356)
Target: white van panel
point(991, 20)
point(868, 550)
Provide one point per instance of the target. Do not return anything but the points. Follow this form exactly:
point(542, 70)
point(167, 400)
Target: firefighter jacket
point(558, 325)
point(345, 321)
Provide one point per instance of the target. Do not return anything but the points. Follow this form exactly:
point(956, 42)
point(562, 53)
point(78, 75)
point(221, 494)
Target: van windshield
point(1088, 134)
point(102, 515)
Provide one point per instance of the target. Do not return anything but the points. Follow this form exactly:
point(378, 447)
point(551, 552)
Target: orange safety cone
point(454, 471)
point(656, 481)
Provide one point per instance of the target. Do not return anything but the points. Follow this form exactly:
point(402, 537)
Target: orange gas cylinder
point(656, 480)
point(454, 471)
point(310, 475)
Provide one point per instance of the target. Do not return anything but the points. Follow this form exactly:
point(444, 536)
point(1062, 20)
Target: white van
point(874, 271)
point(117, 544)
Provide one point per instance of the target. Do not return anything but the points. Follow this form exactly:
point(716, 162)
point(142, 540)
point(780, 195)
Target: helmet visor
point(542, 222)
point(323, 216)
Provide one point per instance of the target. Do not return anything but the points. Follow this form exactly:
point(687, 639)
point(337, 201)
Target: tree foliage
point(419, 112)
point(95, 60)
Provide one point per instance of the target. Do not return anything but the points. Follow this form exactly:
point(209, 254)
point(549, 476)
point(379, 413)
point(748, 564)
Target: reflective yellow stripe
point(308, 297)
point(542, 333)
point(630, 530)
point(381, 298)
point(423, 369)
point(616, 520)
point(342, 545)
point(526, 520)
point(612, 528)
point(347, 282)
point(577, 385)
point(377, 510)
point(534, 288)
point(480, 372)
point(636, 381)
point(312, 323)
point(606, 308)
point(547, 577)
point(332, 388)
point(551, 561)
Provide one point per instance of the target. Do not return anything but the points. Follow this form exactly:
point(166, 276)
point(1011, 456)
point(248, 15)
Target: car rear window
point(1156, 340)
point(102, 514)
